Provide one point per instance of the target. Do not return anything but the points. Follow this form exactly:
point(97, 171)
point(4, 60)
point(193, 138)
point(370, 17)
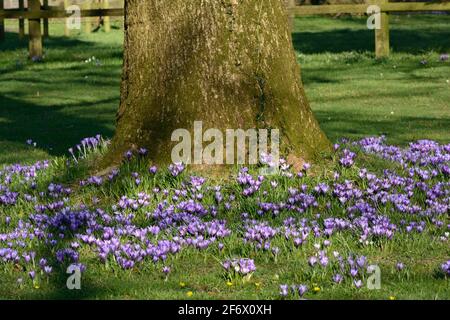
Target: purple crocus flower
point(128, 155)
point(358, 283)
point(284, 290)
point(400, 266)
point(323, 261)
point(302, 289)
point(275, 251)
point(347, 159)
point(445, 267)
point(361, 261)
point(176, 169)
point(312, 261)
point(337, 278)
point(143, 151)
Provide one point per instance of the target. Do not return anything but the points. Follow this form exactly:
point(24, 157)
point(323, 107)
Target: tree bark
point(228, 63)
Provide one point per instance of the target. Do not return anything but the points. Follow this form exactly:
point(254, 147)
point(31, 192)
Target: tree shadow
point(58, 105)
point(52, 128)
point(12, 41)
point(398, 129)
point(344, 40)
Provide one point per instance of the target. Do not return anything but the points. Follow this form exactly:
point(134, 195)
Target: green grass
point(201, 270)
point(354, 95)
point(63, 99)
point(57, 102)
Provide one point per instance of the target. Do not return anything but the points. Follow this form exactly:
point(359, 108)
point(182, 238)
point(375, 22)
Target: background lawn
point(65, 98)
point(74, 93)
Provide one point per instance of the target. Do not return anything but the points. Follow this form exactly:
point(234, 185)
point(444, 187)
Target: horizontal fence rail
point(55, 12)
point(362, 8)
point(59, 13)
point(36, 12)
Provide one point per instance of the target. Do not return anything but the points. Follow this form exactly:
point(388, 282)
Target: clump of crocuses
point(241, 267)
point(348, 158)
point(293, 290)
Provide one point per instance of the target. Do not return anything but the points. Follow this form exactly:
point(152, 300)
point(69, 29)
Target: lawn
point(66, 99)
point(74, 94)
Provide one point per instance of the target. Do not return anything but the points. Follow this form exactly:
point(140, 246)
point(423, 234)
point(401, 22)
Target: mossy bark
point(228, 63)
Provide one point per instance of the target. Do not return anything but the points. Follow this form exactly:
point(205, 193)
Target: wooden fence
point(100, 8)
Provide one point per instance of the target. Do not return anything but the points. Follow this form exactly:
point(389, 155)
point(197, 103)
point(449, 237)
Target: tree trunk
point(228, 63)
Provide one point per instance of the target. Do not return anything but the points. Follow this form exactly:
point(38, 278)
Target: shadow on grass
point(13, 42)
point(56, 128)
point(57, 286)
point(339, 124)
point(343, 40)
point(71, 109)
point(52, 128)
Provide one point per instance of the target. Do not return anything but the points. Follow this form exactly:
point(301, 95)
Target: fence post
point(107, 19)
point(97, 21)
point(290, 4)
point(21, 20)
point(66, 28)
point(382, 34)
point(35, 42)
point(88, 20)
point(2, 23)
point(45, 20)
